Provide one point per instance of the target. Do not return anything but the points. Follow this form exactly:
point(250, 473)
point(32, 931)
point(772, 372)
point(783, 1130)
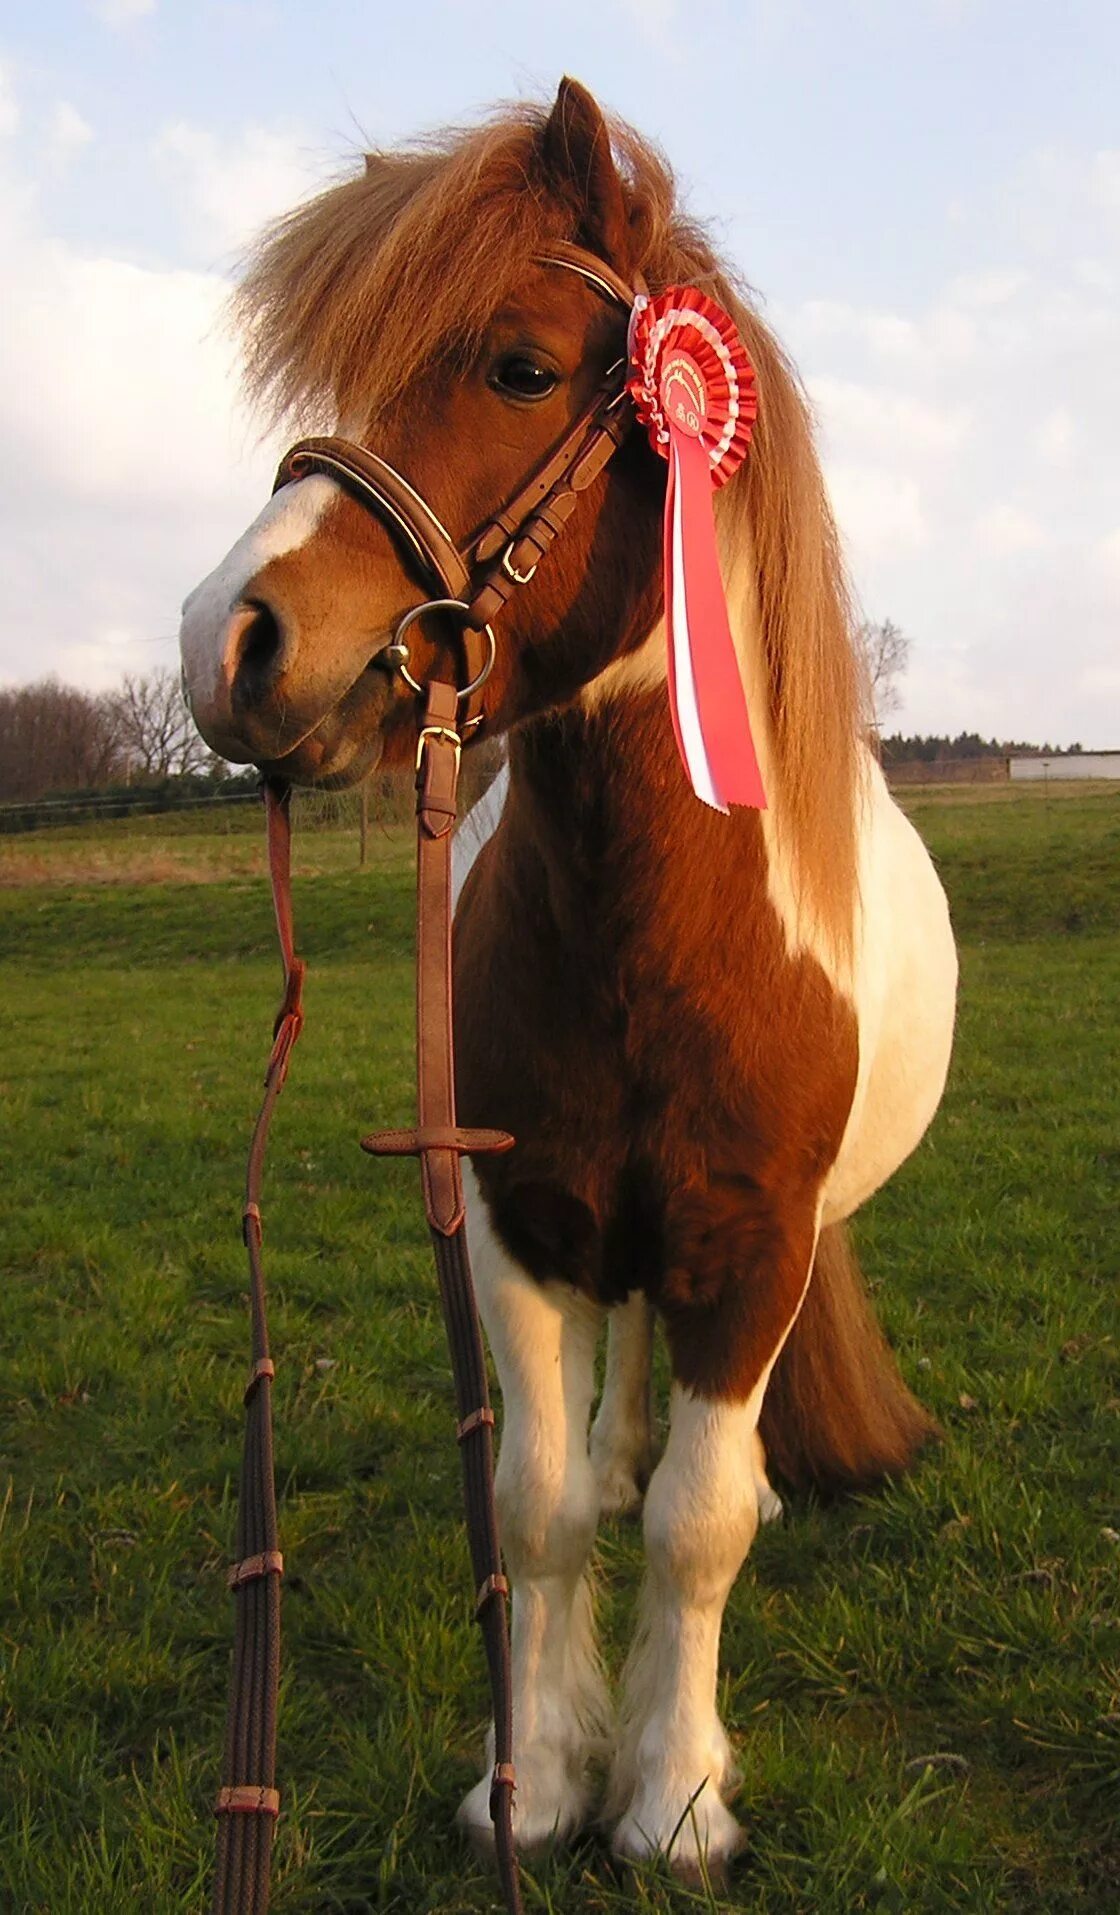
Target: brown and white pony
point(713, 1036)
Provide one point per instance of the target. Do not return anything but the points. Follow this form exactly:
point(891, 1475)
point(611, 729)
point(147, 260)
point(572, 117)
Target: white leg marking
point(621, 1438)
point(674, 1760)
point(543, 1338)
point(290, 518)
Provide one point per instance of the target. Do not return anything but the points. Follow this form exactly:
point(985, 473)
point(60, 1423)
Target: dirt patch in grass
point(183, 849)
point(137, 868)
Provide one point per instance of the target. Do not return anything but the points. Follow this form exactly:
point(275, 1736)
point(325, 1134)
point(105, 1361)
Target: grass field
point(925, 1685)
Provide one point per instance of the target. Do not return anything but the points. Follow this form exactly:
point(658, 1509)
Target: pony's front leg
point(728, 1309)
point(621, 1438)
point(674, 1762)
point(543, 1338)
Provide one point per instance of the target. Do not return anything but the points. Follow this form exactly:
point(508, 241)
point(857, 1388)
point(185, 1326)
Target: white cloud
point(1006, 529)
point(887, 334)
point(887, 417)
point(1102, 680)
point(121, 13)
point(129, 464)
point(67, 132)
point(1105, 179)
point(880, 513)
point(993, 286)
point(970, 447)
point(1107, 558)
point(230, 188)
point(1056, 437)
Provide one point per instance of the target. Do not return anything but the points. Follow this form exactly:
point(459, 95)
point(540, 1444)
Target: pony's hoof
point(481, 1840)
point(621, 1475)
point(770, 1505)
point(620, 1490)
point(538, 1824)
point(699, 1843)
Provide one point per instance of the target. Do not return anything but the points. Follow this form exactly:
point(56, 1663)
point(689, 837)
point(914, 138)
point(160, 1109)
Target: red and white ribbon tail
point(705, 690)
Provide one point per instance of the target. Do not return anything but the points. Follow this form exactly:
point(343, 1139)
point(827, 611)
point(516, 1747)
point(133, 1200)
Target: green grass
point(972, 1612)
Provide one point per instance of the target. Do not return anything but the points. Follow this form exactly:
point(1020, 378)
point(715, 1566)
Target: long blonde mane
point(353, 296)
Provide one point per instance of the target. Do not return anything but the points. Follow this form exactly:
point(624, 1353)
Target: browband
point(595, 271)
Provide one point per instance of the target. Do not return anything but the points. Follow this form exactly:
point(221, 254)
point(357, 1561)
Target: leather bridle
point(476, 580)
point(473, 583)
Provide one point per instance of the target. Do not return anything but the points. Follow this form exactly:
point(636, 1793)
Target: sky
point(925, 194)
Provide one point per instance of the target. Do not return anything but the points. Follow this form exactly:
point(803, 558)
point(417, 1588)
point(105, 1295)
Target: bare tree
point(885, 650)
point(56, 738)
point(157, 731)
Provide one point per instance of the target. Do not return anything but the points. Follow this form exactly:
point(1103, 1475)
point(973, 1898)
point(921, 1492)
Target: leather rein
point(475, 583)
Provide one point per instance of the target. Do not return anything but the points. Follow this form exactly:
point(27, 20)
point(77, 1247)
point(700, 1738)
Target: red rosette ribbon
point(693, 389)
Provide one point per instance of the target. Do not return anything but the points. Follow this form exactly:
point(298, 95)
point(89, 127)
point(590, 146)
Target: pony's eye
point(517, 375)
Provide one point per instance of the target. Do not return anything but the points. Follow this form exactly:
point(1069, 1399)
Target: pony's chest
point(650, 1065)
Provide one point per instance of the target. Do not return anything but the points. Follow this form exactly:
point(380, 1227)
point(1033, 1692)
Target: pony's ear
point(579, 165)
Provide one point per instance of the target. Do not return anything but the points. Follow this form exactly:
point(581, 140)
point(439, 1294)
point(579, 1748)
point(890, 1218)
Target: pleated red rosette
point(693, 389)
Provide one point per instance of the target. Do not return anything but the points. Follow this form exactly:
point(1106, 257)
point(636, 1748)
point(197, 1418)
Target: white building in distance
point(1065, 764)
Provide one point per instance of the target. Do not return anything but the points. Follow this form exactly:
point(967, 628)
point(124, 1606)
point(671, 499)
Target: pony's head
point(417, 309)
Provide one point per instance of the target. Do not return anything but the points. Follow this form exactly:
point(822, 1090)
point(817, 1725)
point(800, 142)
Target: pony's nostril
point(255, 645)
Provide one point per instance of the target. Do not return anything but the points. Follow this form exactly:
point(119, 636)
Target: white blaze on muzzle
point(288, 521)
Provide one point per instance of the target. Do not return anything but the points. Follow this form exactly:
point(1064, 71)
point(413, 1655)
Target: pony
point(712, 1035)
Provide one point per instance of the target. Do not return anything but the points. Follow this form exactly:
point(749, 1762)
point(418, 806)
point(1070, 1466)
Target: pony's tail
point(837, 1414)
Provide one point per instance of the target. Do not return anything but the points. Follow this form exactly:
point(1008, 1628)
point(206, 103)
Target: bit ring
point(397, 651)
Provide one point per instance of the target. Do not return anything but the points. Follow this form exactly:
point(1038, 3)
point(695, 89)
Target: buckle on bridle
point(438, 731)
point(397, 652)
point(510, 569)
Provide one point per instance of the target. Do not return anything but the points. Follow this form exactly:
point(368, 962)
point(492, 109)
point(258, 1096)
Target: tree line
point(57, 738)
point(137, 747)
point(936, 748)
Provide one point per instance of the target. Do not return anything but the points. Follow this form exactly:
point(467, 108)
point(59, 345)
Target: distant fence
point(947, 771)
point(81, 807)
point(389, 798)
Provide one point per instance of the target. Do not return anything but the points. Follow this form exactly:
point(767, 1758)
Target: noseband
point(474, 581)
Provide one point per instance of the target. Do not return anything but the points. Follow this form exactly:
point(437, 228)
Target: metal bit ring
point(397, 651)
